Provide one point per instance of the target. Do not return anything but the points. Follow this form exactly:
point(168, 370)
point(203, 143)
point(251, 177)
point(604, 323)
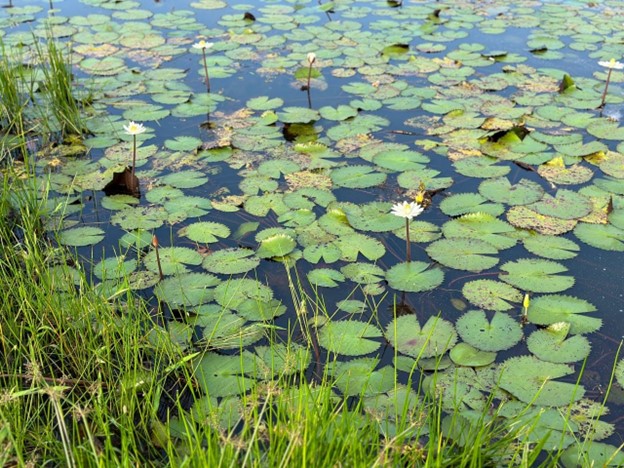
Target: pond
point(271, 141)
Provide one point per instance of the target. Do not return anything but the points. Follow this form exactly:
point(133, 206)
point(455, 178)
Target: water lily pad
point(187, 290)
point(481, 226)
point(501, 333)
point(414, 277)
point(523, 217)
point(325, 277)
point(464, 253)
point(596, 453)
point(360, 377)
point(114, 267)
point(350, 338)
point(463, 354)
point(220, 375)
point(462, 203)
point(553, 345)
point(553, 308)
point(185, 179)
point(205, 232)
point(231, 294)
point(532, 381)
point(357, 177)
point(480, 167)
point(491, 295)
point(278, 245)
point(536, 275)
point(501, 190)
point(298, 115)
point(363, 273)
point(173, 260)
point(355, 244)
point(231, 261)
point(434, 338)
point(556, 248)
point(81, 236)
point(601, 236)
point(566, 204)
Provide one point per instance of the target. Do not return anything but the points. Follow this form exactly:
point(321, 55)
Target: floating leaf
point(185, 179)
point(500, 333)
point(501, 190)
point(465, 355)
point(363, 273)
point(357, 177)
point(349, 338)
point(205, 232)
point(81, 236)
point(231, 261)
point(596, 453)
point(414, 277)
point(375, 217)
point(187, 290)
point(553, 345)
point(462, 203)
point(173, 260)
point(556, 248)
point(523, 217)
point(604, 237)
point(546, 310)
point(491, 295)
point(480, 167)
point(463, 253)
point(532, 381)
point(325, 277)
point(231, 294)
point(481, 226)
point(434, 338)
point(220, 375)
point(565, 205)
point(536, 275)
point(298, 115)
point(278, 245)
point(359, 377)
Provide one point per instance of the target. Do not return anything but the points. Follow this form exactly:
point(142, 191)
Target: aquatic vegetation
point(610, 65)
point(278, 308)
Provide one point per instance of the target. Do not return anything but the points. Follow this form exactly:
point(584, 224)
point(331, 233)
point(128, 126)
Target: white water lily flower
point(203, 45)
point(407, 210)
point(612, 64)
point(311, 57)
point(134, 128)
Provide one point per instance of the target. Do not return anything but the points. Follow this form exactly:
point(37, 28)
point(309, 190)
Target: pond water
point(262, 180)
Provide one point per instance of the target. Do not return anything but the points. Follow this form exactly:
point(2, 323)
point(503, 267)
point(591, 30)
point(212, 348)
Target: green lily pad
point(566, 204)
point(553, 247)
point(553, 308)
point(205, 232)
point(360, 377)
point(536, 275)
point(464, 253)
point(601, 236)
point(173, 260)
point(525, 218)
point(434, 338)
point(185, 179)
point(278, 245)
point(463, 354)
point(480, 167)
point(187, 290)
point(553, 345)
point(595, 453)
point(220, 375)
point(481, 226)
point(325, 277)
point(491, 295)
point(231, 261)
point(532, 381)
point(114, 268)
point(231, 294)
point(414, 277)
point(81, 236)
point(500, 190)
point(462, 203)
point(496, 334)
point(298, 115)
point(350, 338)
point(357, 177)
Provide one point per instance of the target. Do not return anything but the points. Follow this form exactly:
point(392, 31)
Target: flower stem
point(309, 74)
point(133, 153)
point(604, 93)
point(408, 248)
point(206, 71)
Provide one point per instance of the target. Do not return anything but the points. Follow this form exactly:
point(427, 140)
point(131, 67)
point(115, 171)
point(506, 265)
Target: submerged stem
point(133, 153)
point(309, 74)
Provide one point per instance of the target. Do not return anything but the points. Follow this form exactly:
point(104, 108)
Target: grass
point(91, 380)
